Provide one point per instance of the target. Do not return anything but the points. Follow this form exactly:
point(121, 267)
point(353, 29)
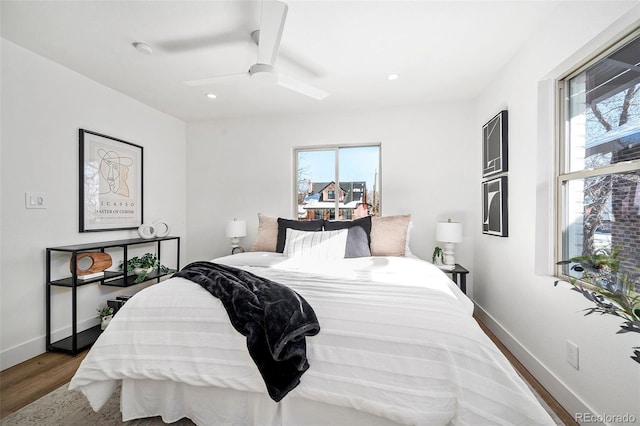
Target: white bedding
point(397, 341)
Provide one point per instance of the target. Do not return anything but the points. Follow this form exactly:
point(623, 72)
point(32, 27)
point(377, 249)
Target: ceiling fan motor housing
point(263, 73)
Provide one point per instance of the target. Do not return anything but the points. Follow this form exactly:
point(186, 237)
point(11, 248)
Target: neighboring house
point(320, 201)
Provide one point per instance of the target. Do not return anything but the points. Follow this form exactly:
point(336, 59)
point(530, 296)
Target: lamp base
point(448, 257)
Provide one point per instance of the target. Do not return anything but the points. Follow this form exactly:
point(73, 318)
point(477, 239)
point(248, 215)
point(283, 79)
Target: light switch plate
point(35, 200)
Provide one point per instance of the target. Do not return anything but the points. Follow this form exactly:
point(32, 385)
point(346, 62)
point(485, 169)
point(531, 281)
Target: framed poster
point(495, 145)
point(110, 183)
point(494, 205)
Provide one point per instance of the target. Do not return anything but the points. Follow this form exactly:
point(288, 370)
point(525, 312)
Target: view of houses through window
point(338, 182)
point(600, 172)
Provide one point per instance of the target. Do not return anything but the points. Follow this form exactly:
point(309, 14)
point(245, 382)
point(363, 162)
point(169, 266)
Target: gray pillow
point(358, 238)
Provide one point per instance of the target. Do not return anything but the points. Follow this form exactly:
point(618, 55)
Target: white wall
point(533, 317)
point(239, 168)
point(43, 106)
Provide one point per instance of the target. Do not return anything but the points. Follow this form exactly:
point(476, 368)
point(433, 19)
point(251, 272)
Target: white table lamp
point(449, 233)
point(236, 229)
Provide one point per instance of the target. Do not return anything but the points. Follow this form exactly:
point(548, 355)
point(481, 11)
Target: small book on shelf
point(91, 276)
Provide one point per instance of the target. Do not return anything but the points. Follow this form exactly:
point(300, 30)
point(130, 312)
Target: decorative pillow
point(389, 235)
point(318, 245)
point(299, 225)
point(267, 235)
point(358, 238)
point(407, 249)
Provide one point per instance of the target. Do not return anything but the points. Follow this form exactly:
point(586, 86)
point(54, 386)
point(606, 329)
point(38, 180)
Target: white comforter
point(397, 340)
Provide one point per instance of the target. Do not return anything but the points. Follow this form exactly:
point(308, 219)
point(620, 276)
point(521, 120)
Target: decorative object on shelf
point(105, 314)
point(495, 145)
point(613, 292)
point(146, 231)
point(162, 228)
point(449, 233)
point(143, 266)
point(236, 229)
point(110, 183)
point(91, 265)
point(494, 205)
point(158, 229)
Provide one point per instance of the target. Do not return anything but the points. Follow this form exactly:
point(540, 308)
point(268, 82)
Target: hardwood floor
point(564, 416)
point(34, 378)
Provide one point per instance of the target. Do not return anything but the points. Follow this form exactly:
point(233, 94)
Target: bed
point(398, 346)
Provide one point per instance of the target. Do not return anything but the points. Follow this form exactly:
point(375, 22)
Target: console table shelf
point(82, 339)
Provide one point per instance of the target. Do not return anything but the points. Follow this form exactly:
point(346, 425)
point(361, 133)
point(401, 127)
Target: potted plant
point(437, 258)
point(105, 314)
point(612, 291)
point(142, 266)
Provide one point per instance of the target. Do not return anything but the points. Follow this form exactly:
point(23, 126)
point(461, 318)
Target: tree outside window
point(600, 175)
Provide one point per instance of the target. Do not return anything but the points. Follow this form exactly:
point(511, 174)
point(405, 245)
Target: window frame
point(336, 148)
point(563, 176)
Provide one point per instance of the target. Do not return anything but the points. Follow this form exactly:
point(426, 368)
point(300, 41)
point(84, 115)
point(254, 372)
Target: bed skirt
point(216, 406)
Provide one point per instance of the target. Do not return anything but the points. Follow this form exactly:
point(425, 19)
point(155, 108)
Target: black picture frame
point(495, 145)
point(495, 217)
point(110, 183)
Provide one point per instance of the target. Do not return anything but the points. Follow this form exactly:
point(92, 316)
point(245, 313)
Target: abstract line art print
point(110, 183)
point(495, 145)
point(494, 204)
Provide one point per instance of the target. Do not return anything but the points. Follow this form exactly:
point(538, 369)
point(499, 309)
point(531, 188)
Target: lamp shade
point(236, 228)
point(449, 232)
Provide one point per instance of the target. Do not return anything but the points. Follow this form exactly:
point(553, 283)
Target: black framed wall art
point(494, 204)
point(110, 183)
point(495, 155)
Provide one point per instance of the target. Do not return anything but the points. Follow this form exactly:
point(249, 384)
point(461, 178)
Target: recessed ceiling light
point(143, 48)
point(393, 77)
point(211, 95)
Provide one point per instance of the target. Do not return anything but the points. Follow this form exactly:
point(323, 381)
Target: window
point(599, 176)
point(337, 182)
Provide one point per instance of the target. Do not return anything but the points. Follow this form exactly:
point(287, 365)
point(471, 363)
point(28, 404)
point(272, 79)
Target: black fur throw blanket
point(274, 318)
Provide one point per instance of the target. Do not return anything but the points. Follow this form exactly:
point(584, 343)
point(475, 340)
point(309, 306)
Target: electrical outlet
point(572, 354)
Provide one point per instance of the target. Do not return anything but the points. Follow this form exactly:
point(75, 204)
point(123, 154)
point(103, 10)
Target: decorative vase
point(138, 271)
point(105, 321)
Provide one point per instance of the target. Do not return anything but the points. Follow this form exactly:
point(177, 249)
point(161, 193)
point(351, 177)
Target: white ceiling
point(441, 49)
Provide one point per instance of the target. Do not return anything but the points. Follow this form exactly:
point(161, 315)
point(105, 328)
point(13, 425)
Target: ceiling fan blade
point(274, 14)
point(301, 87)
point(218, 79)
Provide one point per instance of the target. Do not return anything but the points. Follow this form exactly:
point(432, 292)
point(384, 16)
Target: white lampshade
point(449, 232)
point(236, 228)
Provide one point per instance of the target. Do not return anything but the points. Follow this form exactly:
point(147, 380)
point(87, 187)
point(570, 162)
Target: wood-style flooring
point(34, 378)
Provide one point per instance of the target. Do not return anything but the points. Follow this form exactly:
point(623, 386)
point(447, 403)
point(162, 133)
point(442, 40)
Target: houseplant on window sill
point(142, 266)
point(613, 292)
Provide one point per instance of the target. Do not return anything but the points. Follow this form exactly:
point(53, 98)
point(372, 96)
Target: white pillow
point(319, 245)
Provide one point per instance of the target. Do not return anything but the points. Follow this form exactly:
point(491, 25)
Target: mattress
point(397, 343)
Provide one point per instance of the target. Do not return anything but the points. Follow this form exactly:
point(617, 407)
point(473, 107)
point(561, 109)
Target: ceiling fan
point(268, 37)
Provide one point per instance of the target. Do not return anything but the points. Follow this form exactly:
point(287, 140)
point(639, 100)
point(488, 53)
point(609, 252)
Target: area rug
point(70, 408)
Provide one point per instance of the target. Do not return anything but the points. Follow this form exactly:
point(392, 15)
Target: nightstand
point(460, 271)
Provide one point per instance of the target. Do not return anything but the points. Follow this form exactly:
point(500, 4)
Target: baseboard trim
point(558, 389)
point(34, 347)
point(22, 352)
